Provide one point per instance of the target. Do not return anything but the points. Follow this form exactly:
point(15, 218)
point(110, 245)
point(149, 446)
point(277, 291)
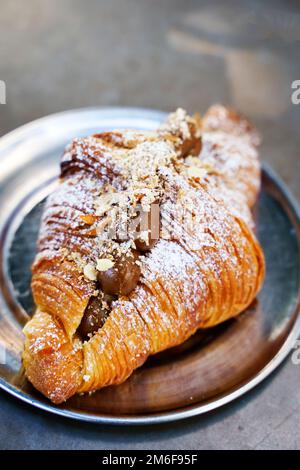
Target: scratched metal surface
point(160, 55)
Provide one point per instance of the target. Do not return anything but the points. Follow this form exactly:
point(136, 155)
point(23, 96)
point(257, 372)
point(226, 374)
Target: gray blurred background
point(65, 54)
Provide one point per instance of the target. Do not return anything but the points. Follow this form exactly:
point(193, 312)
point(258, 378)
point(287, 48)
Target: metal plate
point(209, 370)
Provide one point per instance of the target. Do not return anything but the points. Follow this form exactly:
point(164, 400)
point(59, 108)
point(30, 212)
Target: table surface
point(162, 54)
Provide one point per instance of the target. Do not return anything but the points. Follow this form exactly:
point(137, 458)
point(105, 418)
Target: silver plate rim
point(187, 412)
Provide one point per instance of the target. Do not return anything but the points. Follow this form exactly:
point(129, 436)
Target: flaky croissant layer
point(197, 275)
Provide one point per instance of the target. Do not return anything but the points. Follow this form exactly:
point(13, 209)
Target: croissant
point(110, 293)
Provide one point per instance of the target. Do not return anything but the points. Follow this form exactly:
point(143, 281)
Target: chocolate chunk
point(94, 316)
point(123, 277)
point(148, 228)
point(143, 245)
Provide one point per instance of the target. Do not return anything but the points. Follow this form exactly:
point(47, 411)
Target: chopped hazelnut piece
point(90, 272)
point(103, 264)
point(88, 219)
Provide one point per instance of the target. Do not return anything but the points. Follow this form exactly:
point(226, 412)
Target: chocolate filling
point(148, 228)
point(95, 315)
point(123, 277)
point(119, 280)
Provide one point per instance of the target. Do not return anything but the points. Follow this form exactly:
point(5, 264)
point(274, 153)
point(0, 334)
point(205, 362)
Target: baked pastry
point(147, 239)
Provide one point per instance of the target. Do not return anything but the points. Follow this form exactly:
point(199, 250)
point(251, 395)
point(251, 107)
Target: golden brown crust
point(53, 363)
point(204, 272)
